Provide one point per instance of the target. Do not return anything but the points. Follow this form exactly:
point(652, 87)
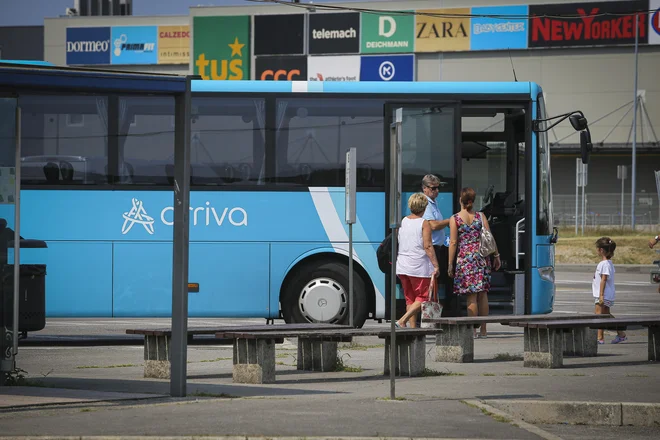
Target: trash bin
point(32, 289)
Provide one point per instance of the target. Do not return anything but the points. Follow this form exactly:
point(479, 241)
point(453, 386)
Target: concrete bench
point(254, 352)
point(456, 343)
point(157, 341)
point(543, 339)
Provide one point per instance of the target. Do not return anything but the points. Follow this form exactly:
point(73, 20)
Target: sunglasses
point(433, 188)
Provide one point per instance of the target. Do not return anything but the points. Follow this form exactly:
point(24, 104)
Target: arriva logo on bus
point(138, 215)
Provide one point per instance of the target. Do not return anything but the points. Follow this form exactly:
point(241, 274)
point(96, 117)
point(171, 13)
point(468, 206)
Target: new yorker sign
point(388, 33)
point(334, 33)
point(592, 26)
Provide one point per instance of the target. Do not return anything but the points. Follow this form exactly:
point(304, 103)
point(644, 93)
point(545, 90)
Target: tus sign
point(206, 215)
point(221, 47)
point(387, 33)
point(86, 46)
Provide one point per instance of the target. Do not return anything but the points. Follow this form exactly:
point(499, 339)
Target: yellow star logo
point(236, 48)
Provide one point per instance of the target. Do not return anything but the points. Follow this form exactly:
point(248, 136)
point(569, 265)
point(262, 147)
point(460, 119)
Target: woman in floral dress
point(472, 275)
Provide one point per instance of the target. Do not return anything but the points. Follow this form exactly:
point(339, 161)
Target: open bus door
point(430, 136)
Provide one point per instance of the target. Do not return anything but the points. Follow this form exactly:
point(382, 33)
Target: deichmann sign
point(508, 32)
point(590, 27)
point(292, 68)
point(173, 44)
point(387, 68)
point(221, 47)
point(134, 45)
point(654, 22)
point(443, 33)
point(334, 33)
point(388, 33)
point(88, 45)
point(279, 34)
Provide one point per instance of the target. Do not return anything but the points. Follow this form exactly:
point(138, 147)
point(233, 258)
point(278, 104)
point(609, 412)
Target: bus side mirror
point(578, 122)
point(585, 145)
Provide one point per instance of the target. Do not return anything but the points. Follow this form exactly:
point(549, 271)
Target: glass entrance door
point(430, 136)
point(9, 189)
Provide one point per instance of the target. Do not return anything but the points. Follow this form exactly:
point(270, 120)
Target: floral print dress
point(472, 272)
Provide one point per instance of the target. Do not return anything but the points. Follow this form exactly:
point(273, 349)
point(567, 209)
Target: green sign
point(383, 33)
point(221, 47)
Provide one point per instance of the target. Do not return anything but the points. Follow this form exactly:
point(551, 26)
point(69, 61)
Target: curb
point(204, 437)
point(515, 421)
point(620, 268)
point(582, 413)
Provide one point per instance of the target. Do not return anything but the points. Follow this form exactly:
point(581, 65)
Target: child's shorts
point(606, 302)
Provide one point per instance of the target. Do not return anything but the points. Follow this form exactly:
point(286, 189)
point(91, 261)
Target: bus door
point(493, 163)
point(430, 134)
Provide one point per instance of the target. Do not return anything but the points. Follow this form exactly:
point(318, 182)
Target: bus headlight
point(547, 274)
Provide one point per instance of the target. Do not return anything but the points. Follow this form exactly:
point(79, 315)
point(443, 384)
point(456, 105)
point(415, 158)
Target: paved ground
point(339, 403)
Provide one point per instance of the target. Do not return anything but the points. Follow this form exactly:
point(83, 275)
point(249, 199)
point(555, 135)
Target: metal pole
point(395, 234)
point(634, 127)
point(394, 221)
point(17, 233)
point(622, 190)
point(179, 349)
point(350, 274)
point(583, 208)
point(578, 164)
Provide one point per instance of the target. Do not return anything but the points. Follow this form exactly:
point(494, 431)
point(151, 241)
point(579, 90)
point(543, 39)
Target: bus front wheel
point(319, 293)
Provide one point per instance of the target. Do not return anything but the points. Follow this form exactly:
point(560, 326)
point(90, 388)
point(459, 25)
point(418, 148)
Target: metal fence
point(604, 209)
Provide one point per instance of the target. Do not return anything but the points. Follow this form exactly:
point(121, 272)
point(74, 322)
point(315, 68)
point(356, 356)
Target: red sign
point(587, 24)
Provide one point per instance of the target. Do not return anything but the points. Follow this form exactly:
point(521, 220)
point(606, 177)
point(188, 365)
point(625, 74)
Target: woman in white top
point(415, 261)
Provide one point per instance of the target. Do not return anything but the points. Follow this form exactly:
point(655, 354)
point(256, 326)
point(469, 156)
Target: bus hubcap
point(323, 300)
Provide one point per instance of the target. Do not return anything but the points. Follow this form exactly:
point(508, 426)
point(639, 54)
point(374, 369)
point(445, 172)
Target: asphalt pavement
point(102, 391)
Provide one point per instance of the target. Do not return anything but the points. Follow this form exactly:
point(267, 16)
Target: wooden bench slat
point(167, 331)
point(505, 319)
point(320, 334)
point(591, 323)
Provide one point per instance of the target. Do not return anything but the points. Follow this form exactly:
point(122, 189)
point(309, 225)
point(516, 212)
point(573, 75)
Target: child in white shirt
point(603, 285)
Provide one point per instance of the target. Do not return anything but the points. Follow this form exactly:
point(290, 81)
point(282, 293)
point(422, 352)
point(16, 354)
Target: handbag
point(431, 309)
point(487, 243)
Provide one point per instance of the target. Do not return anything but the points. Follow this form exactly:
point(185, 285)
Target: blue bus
point(267, 231)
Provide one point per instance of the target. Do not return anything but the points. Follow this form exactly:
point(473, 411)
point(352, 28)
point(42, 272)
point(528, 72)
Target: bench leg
point(455, 343)
point(581, 342)
point(157, 356)
point(254, 361)
point(316, 355)
point(410, 358)
point(543, 348)
point(654, 343)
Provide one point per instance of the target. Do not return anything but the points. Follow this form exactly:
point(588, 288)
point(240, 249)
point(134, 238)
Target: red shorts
point(415, 288)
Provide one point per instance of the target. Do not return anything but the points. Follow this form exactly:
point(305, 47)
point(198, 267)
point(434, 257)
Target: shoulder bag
point(487, 243)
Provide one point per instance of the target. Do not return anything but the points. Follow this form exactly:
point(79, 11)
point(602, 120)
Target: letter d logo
point(381, 26)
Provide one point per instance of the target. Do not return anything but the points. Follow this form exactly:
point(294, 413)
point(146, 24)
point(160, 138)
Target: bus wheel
point(319, 293)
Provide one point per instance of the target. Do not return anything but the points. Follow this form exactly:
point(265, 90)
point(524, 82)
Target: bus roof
point(528, 88)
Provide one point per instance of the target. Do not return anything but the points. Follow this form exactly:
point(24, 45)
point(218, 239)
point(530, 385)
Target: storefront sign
point(344, 68)
point(334, 33)
point(440, 32)
point(283, 68)
point(221, 47)
point(279, 34)
point(387, 68)
point(654, 22)
point(88, 45)
point(134, 45)
point(173, 44)
point(508, 32)
point(388, 33)
point(592, 25)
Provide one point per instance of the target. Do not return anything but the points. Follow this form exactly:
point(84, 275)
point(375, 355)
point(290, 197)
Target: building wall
point(22, 43)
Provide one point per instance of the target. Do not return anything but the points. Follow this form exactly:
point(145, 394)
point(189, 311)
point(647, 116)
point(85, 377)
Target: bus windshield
point(545, 219)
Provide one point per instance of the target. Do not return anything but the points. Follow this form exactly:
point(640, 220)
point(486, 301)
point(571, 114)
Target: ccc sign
point(280, 75)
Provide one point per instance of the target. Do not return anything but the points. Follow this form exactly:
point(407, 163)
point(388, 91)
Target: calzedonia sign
point(594, 24)
point(334, 33)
